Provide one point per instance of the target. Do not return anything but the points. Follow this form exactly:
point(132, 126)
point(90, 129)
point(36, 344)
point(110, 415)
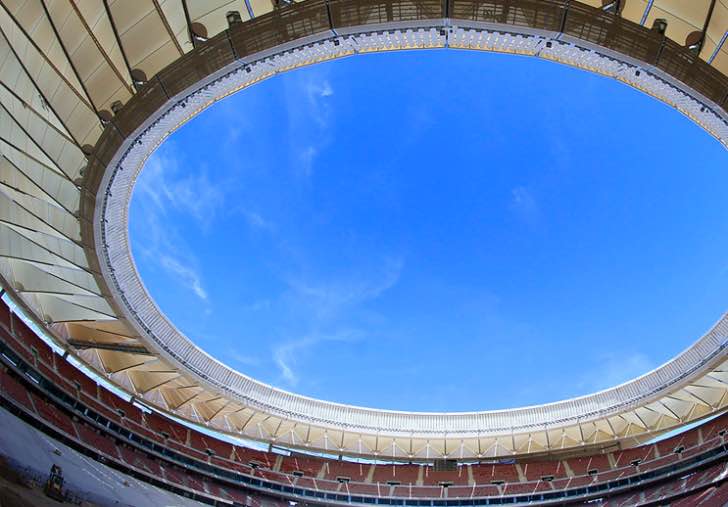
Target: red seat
point(581, 466)
point(16, 392)
point(96, 441)
point(26, 336)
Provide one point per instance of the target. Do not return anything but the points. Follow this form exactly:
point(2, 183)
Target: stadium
point(97, 381)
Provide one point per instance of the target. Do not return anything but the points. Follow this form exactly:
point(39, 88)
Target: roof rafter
point(103, 52)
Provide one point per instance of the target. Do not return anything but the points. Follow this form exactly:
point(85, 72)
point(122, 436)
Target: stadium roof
point(90, 89)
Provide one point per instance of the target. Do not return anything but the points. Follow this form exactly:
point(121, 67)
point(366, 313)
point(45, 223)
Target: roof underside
point(67, 66)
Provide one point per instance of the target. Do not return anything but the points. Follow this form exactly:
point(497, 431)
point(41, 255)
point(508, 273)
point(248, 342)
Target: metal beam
point(116, 347)
point(118, 39)
point(705, 27)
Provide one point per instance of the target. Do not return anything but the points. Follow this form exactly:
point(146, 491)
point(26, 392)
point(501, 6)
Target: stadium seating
point(195, 461)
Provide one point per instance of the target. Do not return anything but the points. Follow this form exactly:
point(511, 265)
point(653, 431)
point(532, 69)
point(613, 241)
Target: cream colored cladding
point(207, 13)
point(684, 17)
point(173, 11)
point(64, 64)
point(148, 39)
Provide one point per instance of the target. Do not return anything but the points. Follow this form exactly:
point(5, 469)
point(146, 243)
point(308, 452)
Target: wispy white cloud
point(620, 369)
point(185, 274)
point(257, 221)
point(307, 140)
point(191, 192)
point(524, 204)
point(306, 156)
point(327, 310)
point(614, 369)
point(161, 190)
point(287, 355)
point(317, 90)
point(242, 359)
point(256, 306)
point(326, 298)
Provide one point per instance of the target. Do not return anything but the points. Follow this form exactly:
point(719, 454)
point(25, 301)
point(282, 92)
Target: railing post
point(562, 26)
point(328, 15)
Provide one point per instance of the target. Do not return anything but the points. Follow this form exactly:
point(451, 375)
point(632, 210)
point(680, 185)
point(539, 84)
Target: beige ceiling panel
point(89, 301)
point(261, 7)
point(123, 381)
point(504, 445)
point(469, 446)
point(34, 279)
point(51, 139)
point(648, 416)
point(19, 171)
point(715, 379)
point(148, 55)
point(155, 398)
point(283, 431)
point(124, 17)
point(92, 359)
point(209, 409)
point(416, 446)
point(114, 328)
point(157, 60)
point(588, 432)
point(618, 425)
point(680, 407)
point(178, 397)
point(75, 276)
point(537, 445)
point(288, 435)
point(70, 252)
point(14, 214)
point(30, 18)
point(91, 59)
point(17, 246)
point(398, 447)
point(707, 395)
point(522, 443)
point(720, 58)
point(59, 309)
point(71, 107)
point(660, 408)
point(97, 19)
point(174, 13)
point(116, 362)
point(300, 432)
point(692, 12)
point(677, 28)
point(700, 411)
point(437, 447)
point(15, 80)
point(718, 26)
point(212, 13)
point(61, 223)
point(27, 175)
point(147, 381)
point(603, 426)
point(634, 9)
point(14, 135)
point(229, 408)
point(574, 433)
point(96, 72)
point(538, 440)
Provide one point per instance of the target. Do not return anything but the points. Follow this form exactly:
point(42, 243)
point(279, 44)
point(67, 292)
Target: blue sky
point(437, 230)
